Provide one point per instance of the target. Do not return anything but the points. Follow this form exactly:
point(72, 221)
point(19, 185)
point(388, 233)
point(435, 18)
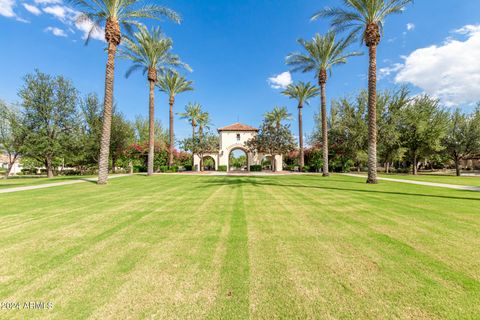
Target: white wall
point(230, 141)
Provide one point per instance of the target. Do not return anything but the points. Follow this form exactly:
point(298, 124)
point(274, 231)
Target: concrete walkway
point(422, 183)
point(56, 184)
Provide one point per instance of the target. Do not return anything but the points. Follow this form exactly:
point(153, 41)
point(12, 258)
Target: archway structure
point(234, 137)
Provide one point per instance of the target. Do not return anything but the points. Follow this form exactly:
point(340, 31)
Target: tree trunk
point(457, 167)
point(414, 165)
point(130, 167)
point(387, 167)
point(151, 127)
point(9, 169)
point(193, 147)
point(107, 116)
point(300, 137)
point(372, 115)
point(274, 164)
point(48, 165)
point(323, 99)
point(170, 155)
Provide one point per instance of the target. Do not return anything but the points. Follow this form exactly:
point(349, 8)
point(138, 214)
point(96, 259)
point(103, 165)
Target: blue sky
point(235, 46)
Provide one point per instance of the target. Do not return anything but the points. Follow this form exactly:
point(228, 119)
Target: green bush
point(137, 169)
point(255, 168)
point(222, 168)
point(188, 167)
point(306, 168)
point(168, 169)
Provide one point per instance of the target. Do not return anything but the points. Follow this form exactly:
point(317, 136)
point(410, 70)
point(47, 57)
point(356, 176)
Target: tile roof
point(237, 127)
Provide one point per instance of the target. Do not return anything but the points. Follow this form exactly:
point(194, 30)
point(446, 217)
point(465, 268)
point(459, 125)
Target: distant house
point(17, 167)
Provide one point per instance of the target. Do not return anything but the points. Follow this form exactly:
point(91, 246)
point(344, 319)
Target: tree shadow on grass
point(267, 182)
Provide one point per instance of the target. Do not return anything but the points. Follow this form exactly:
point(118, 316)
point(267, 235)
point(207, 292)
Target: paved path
point(56, 184)
point(422, 183)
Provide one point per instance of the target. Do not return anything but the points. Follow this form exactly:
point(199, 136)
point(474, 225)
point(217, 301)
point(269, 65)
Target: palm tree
point(172, 83)
point(366, 17)
point(192, 114)
point(150, 51)
point(203, 122)
point(113, 14)
point(277, 115)
point(302, 92)
point(322, 53)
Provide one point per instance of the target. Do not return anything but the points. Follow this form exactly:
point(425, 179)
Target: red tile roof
point(238, 127)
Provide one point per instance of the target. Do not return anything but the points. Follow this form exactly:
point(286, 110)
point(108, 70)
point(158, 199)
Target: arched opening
point(238, 160)
point(267, 163)
point(208, 163)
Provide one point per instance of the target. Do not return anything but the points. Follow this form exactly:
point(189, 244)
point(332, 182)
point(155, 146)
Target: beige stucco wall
point(229, 141)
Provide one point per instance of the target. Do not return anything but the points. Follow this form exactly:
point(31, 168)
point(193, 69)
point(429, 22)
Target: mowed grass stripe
point(195, 247)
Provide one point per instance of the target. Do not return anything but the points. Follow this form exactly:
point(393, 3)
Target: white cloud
point(280, 81)
point(386, 71)
point(32, 9)
point(48, 1)
point(450, 71)
point(410, 27)
point(86, 26)
point(57, 11)
point(56, 31)
point(6, 8)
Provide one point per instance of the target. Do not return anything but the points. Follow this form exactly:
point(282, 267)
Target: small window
point(238, 136)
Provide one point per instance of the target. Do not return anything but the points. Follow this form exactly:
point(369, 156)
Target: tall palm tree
point(322, 53)
point(192, 114)
point(302, 92)
point(203, 123)
point(172, 83)
point(150, 52)
point(277, 115)
point(366, 17)
point(113, 14)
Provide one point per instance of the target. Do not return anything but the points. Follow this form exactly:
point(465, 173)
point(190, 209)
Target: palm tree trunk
point(372, 115)
point(151, 133)
point(170, 156)
point(300, 136)
point(107, 116)
point(323, 98)
point(193, 147)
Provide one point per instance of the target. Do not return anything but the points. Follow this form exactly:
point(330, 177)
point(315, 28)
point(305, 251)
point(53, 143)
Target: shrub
point(137, 169)
point(168, 169)
point(70, 173)
point(222, 168)
point(188, 167)
point(306, 168)
point(255, 168)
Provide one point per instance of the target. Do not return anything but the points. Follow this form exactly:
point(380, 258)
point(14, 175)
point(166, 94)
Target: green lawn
point(438, 178)
point(286, 247)
point(19, 181)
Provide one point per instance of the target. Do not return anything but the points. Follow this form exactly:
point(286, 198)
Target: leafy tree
point(322, 54)
point(462, 139)
point(302, 92)
point(172, 83)
point(91, 128)
point(366, 17)
point(423, 128)
point(151, 52)
point(122, 138)
point(390, 106)
point(113, 14)
point(50, 118)
point(272, 139)
point(12, 134)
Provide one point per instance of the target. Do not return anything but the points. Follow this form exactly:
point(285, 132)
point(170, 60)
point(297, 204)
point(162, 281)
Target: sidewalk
point(422, 183)
point(56, 184)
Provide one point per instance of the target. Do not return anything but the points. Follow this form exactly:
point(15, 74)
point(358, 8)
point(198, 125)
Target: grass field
point(19, 181)
point(286, 247)
point(437, 178)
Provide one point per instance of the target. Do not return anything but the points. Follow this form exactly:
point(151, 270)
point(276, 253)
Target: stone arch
point(244, 150)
